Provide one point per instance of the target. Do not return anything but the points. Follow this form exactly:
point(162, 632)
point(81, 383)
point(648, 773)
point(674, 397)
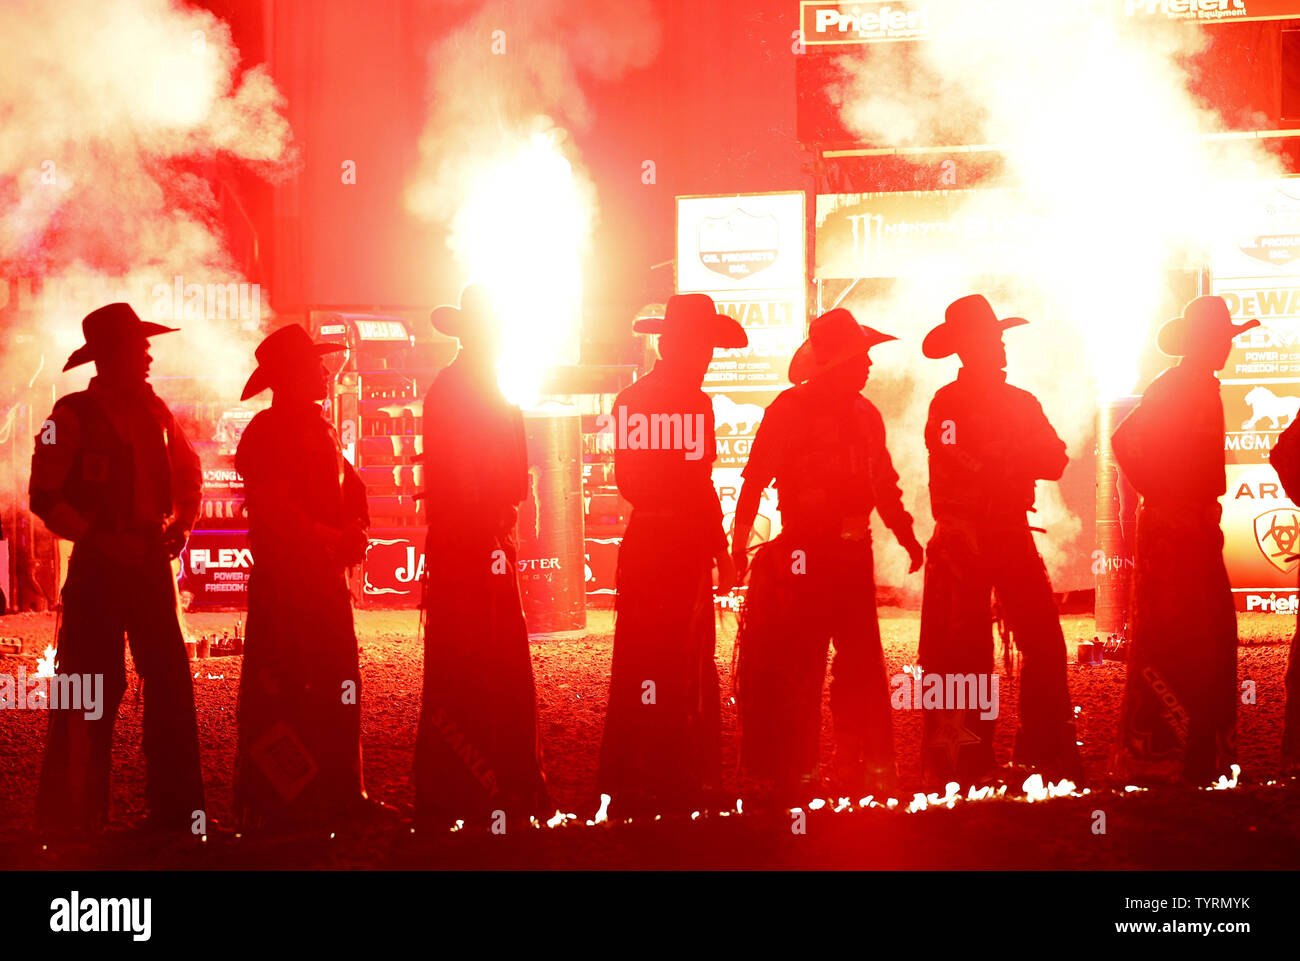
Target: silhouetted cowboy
point(477, 748)
point(1285, 458)
point(1181, 693)
point(300, 688)
point(989, 444)
point(113, 473)
point(662, 745)
point(824, 445)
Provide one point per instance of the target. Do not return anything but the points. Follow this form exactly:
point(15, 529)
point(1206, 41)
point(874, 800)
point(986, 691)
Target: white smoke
point(1105, 150)
point(512, 71)
point(108, 110)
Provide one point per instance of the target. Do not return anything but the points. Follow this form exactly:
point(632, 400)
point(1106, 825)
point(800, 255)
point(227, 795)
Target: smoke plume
point(1106, 157)
point(115, 115)
point(500, 173)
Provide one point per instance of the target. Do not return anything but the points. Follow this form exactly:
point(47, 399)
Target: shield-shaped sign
point(1277, 532)
point(1276, 249)
point(738, 245)
point(1281, 245)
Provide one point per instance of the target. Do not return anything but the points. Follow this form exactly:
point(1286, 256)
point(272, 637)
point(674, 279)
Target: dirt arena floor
point(1254, 825)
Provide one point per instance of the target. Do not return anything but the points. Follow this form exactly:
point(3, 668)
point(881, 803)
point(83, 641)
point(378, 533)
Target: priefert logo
point(78, 915)
point(870, 22)
point(1173, 8)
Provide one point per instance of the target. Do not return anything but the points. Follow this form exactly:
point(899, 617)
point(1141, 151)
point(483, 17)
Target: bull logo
point(1277, 532)
point(738, 245)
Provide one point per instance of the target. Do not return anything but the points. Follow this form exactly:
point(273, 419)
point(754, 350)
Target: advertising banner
point(1256, 269)
point(833, 23)
point(214, 569)
point(912, 232)
point(747, 252)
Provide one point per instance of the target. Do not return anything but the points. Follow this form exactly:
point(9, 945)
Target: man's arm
point(1285, 459)
point(759, 472)
point(1045, 451)
point(187, 478)
point(1132, 447)
point(56, 448)
point(888, 496)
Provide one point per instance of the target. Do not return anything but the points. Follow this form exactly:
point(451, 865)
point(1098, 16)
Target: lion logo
point(1277, 532)
point(1266, 405)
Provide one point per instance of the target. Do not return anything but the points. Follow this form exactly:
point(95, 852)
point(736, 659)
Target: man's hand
point(726, 574)
point(917, 554)
point(352, 544)
point(740, 554)
point(124, 548)
point(174, 536)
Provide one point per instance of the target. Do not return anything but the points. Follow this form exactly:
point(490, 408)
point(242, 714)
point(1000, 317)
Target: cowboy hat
point(285, 349)
point(694, 317)
point(110, 325)
point(1203, 318)
point(475, 311)
point(833, 338)
point(965, 319)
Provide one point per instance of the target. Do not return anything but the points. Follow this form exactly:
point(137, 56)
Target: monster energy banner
point(1256, 269)
point(747, 252)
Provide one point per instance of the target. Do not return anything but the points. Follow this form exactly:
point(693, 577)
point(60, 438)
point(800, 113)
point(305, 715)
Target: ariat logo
point(1277, 532)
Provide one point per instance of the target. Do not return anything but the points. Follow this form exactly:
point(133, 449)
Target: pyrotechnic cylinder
point(1112, 563)
point(552, 561)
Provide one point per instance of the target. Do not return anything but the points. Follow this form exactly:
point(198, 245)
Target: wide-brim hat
point(286, 349)
point(833, 339)
point(476, 311)
point(1205, 318)
point(108, 327)
point(965, 320)
point(694, 318)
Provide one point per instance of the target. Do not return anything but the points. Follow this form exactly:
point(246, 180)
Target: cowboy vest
point(817, 446)
point(101, 481)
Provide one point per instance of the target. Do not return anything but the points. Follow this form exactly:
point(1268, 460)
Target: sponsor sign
point(395, 562)
point(393, 567)
point(214, 568)
point(1261, 530)
point(844, 23)
point(1209, 11)
point(1256, 269)
point(831, 23)
point(914, 232)
point(740, 243)
point(747, 252)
